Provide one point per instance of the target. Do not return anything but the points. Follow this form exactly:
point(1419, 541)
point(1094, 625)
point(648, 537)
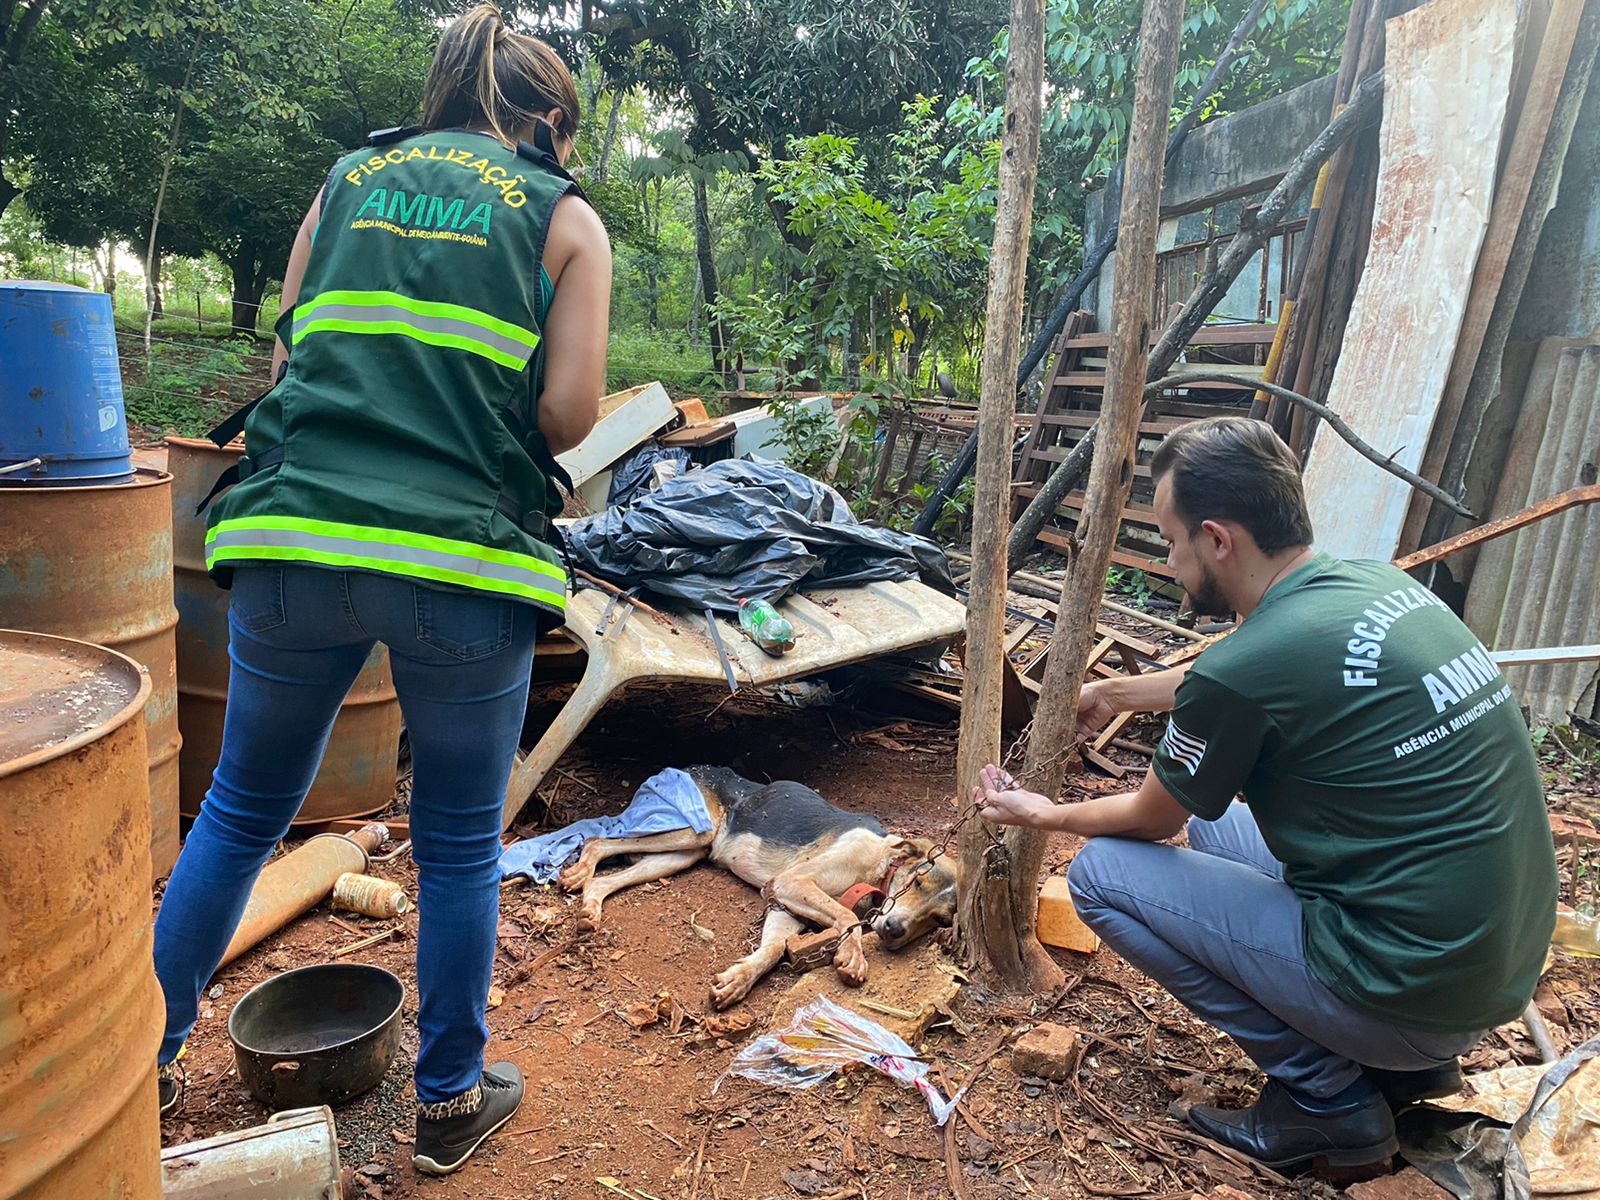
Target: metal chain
point(924, 866)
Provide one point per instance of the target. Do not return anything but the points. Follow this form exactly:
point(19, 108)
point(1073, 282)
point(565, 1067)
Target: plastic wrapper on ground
point(822, 1039)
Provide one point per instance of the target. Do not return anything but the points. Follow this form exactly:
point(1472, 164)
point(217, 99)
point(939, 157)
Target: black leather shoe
point(449, 1132)
point(1402, 1089)
point(1276, 1131)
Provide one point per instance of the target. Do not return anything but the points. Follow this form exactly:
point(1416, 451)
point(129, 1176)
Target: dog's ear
point(914, 847)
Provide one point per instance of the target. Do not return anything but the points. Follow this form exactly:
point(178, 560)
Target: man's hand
point(1006, 804)
point(1094, 710)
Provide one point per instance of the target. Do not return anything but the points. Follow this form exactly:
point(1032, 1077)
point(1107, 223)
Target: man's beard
point(1206, 599)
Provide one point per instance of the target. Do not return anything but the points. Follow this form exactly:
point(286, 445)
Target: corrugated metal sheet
point(1541, 586)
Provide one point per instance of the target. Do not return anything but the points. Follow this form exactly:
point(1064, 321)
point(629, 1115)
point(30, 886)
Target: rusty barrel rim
point(27, 639)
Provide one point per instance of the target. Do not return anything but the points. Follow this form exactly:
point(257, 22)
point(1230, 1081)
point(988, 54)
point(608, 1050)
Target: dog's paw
point(850, 960)
point(732, 986)
point(575, 877)
point(589, 916)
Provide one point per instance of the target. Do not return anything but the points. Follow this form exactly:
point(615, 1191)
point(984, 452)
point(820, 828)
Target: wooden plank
point(1095, 379)
point(1082, 420)
point(1446, 82)
point(1139, 562)
point(626, 419)
point(1206, 335)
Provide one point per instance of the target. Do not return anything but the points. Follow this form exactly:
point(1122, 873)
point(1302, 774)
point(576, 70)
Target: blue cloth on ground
point(667, 801)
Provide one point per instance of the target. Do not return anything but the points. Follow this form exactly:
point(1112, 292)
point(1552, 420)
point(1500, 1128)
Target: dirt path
point(607, 1100)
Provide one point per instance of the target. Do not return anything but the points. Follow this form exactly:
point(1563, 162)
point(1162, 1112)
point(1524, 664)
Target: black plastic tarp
point(746, 528)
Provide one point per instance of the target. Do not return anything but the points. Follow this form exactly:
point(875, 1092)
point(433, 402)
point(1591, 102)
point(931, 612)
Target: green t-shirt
point(1390, 771)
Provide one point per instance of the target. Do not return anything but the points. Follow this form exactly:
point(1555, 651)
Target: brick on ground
point(1409, 1184)
point(1048, 1051)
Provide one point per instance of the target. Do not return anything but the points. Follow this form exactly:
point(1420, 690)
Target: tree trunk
point(154, 301)
point(705, 251)
point(1055, 719)
point(997, 906)
point(249, 282)
point(610, 140)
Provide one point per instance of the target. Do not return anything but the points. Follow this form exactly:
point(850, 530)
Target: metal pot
point(317, 1035)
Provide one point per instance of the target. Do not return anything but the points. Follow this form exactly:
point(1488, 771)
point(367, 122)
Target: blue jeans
point(1216, 926)
point(298, 636)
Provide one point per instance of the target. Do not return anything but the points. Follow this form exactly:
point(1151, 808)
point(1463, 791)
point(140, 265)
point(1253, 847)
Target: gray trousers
point(1217, 927)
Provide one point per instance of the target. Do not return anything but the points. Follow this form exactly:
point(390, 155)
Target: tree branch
point(1334, 420)
point(17, 40)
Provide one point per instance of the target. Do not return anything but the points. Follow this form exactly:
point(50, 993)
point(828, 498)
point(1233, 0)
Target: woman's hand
point(1003, 803)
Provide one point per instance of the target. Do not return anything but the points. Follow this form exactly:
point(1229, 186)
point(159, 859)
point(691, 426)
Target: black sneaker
point(169, 1086)
point(449, 1131)
point(1402, 1089)
point(1277, 1131)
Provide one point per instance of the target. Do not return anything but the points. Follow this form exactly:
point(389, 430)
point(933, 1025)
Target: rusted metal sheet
point(357, 774)
point(80, 1010)
point(836, 627)
point(1447, 78)
point(294, 1156)
point(299, 881)
point(1540, 586)
point(96, 563)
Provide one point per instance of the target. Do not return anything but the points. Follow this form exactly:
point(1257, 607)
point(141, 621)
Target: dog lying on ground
point(802, 852)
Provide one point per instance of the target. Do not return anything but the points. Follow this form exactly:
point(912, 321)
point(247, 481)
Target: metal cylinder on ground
point(357, 774)
point(80, 1011)
point(95, 562)
point(301, 880)
point(61, 411)
point(369, 896)
point(294, 1156)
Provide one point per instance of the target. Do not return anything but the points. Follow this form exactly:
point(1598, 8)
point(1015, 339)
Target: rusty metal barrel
point(358, 768)
point(80, 1010)
point(95, 562)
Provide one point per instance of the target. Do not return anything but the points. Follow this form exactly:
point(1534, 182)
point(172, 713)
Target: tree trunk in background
point(249, 282)
point(610, 139)
point(1111, 475)
point(997, 905)
point(705, 251)
point(155, 303)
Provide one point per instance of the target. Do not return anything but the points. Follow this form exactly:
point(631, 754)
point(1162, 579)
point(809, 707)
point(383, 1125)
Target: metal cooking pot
point(317, 1035)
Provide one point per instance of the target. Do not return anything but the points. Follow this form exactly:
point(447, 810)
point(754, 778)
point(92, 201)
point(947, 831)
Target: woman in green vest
point(443, 336)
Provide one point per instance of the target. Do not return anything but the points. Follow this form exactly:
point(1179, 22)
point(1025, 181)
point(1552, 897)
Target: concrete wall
point(1222, 165)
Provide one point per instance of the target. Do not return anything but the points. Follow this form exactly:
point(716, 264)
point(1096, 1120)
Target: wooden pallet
point(1071, 404)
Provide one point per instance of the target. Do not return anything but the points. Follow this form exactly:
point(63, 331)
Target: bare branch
point(1334, 420)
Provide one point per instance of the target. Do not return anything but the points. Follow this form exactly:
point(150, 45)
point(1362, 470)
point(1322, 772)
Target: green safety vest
point(403, 437)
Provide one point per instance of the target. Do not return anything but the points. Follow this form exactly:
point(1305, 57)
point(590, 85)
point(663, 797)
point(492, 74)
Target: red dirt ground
point(637, 1106)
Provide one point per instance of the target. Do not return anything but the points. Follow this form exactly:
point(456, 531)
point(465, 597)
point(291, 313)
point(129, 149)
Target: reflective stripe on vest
point(420, 556)
point(452, 325)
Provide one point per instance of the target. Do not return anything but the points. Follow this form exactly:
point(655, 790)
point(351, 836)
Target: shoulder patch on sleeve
point(1183, 748)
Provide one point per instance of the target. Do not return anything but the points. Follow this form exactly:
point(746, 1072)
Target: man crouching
point(1386, 891)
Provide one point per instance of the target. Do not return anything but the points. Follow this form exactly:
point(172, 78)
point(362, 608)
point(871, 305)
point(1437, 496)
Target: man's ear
point(1224, 543)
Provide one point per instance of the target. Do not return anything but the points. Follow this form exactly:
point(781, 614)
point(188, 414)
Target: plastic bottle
point(1576, 932)
point(763, 626)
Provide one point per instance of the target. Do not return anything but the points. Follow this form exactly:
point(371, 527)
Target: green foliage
point(884, 267)
point(1130, 581)
point(183, 389)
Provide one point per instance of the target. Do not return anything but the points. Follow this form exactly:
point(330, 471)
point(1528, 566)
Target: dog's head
point(929, 902)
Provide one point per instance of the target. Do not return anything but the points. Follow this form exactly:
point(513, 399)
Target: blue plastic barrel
point(60, 389)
